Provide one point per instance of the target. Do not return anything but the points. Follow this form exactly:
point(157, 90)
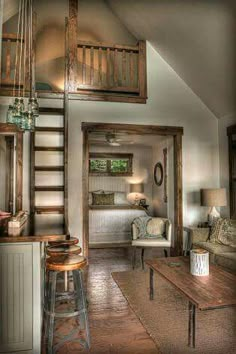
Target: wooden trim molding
point(12, 129)
point(177, 133)
point(85, 203)
point(178, 201)
point(231, 130)
point(133, 129)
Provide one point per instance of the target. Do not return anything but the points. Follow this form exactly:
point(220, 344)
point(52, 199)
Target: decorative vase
point(199, 262)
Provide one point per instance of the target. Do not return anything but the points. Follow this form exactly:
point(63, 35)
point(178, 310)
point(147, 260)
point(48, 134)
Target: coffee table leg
point(151, 284)
point(191, 324)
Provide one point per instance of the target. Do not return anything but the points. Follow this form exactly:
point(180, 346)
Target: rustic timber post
point(178, 188)
point(142, 69)
point(85, 182)
point(73, 39)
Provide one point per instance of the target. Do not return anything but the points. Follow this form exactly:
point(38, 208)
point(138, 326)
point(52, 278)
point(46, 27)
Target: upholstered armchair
point(161, 227)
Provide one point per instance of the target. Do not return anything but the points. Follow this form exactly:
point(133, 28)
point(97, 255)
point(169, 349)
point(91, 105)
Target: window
point(101, 164)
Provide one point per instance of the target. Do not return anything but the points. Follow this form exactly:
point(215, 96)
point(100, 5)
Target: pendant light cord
point(21, 44)
point(17, 47)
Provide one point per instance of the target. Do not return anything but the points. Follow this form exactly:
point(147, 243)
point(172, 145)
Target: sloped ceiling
point(10, 9)
point(195, 37)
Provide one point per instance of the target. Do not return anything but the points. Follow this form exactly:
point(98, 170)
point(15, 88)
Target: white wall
point(224, 156)
point(142, 171)
point(170, 102)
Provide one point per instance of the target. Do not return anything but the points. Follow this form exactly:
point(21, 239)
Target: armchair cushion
point(157, 228)
point(150, 242)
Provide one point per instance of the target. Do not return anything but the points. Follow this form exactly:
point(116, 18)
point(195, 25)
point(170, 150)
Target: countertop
point(25, 234)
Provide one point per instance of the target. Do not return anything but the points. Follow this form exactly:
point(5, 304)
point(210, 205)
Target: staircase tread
point(51, 110)
point(58, 209)
point(50, 129)
point(49, 188)
point(48, 148)
point(49, 168)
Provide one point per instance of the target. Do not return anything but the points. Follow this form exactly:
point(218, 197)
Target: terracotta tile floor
point(114, 327)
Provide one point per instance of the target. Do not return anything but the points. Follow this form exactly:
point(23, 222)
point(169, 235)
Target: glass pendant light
point(10, 114)
point(19, 114)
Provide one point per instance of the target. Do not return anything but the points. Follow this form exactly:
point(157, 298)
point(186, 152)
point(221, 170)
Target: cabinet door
point(16, 298)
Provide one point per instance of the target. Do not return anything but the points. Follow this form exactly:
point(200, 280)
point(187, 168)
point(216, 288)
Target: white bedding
point(111, 225)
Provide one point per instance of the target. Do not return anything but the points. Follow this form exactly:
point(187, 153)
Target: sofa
point(219, 241)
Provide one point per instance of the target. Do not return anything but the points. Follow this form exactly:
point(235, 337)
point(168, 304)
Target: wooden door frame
point(134, 129)
point(12, 129)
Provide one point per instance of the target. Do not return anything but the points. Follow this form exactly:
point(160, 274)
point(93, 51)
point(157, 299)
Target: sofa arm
point(198, 234)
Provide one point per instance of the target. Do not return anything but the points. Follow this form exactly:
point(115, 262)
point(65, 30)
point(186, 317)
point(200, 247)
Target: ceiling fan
point(111, 139)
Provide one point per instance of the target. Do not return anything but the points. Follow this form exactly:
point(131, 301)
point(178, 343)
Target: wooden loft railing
point(96, 71)
point(112, 69)
point(9, 44)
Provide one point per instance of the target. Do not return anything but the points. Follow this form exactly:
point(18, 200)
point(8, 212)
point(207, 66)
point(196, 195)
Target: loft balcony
point(98, 71)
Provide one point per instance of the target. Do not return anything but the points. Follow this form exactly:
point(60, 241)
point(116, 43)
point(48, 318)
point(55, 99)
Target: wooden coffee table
point(205, 293)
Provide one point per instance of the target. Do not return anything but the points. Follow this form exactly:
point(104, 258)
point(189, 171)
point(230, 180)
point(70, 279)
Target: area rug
point(166, 317)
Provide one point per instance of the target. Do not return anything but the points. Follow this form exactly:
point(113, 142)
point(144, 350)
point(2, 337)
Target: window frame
point(109, 157)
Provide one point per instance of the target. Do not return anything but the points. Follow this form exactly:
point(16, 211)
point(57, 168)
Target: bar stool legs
point(51, 299)
point(80, 312)
point(81, 305)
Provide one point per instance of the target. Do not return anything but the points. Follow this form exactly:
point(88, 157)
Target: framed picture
point(142, 202)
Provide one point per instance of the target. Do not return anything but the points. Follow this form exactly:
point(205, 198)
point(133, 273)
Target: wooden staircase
point(48, 168)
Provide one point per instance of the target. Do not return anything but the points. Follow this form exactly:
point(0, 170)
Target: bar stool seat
point(55, 265)
point(62, 250)
point(70, 241)
point(65, 263)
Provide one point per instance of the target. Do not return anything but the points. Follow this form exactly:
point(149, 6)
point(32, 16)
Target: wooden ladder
point(47, 208)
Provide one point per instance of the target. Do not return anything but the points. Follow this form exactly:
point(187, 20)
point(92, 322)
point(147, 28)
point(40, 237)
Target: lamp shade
point(137, 188)
point(213, 197)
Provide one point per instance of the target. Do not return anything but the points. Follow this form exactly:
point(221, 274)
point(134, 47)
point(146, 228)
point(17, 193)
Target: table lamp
point(213, 198)
point(137, 188)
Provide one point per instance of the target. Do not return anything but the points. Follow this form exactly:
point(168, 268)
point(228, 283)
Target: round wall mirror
point(158, 174)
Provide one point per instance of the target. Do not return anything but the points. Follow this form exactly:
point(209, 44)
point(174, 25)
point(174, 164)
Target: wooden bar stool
point(67, 242)
point(62, 250)
point(58, 248)
point(54, 265)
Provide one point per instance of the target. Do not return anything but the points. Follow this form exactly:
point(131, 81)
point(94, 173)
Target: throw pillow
point(103, 198)
point(215, 229)
point(227, 236)
point(156, 226)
